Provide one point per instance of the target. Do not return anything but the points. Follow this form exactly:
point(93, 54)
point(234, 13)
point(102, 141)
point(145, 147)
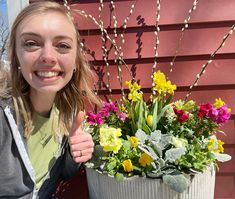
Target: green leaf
point(155, 110)
point(146, 128)
point(177, 182)
point(140, 115)
point(163, 112)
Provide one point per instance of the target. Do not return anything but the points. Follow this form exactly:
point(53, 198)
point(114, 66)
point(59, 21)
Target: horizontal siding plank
point(141, 45)
point(144, 13)
point(218, 73)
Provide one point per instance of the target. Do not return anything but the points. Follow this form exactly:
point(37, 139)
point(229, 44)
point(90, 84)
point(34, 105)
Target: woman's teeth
point(47, 74)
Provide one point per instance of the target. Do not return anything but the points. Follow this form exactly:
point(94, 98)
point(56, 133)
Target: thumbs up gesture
point(81, 143)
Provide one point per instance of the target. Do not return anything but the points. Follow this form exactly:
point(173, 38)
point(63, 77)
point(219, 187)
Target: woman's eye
point(31, 45)
point(63, 47)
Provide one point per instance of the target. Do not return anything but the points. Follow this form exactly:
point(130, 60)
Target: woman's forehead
point(47, 22)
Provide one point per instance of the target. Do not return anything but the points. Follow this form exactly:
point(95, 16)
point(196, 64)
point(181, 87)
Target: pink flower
point(122, 116)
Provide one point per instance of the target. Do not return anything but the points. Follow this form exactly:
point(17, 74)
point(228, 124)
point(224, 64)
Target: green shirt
point(43, 145)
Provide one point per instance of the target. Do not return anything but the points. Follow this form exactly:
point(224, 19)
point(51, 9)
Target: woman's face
point(46, 49)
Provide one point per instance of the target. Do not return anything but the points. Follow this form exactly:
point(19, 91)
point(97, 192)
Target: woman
point(41, 136)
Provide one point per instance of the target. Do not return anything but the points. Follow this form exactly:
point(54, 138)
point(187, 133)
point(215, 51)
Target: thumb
point(77, 123)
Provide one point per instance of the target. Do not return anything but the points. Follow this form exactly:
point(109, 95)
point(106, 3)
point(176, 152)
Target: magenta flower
point(107, 108)
point(223, 114)
point(213, 113)
point(93, 119)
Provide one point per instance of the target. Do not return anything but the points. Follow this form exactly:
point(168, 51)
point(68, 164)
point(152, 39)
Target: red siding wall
point(208, 25)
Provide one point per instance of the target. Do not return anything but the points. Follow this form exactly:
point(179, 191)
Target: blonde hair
point(70, 99)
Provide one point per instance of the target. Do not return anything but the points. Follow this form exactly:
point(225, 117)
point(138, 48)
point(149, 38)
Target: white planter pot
point(102, 186)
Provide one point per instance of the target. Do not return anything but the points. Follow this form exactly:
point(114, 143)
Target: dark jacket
point(16, 172)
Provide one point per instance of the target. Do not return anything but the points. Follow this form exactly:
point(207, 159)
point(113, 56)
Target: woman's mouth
point(48, 74)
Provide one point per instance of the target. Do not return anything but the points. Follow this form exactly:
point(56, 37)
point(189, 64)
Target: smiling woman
point(41, 109)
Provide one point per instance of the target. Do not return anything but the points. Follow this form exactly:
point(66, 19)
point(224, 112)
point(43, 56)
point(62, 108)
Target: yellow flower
point(127, 165)
point(134, 141)
point(135, 93)
point(220, 148)
point(170, 87)
point(109, 139)
point(210, 144)
point(161, 85)
point(145, 160)
point(135, 96)
point(128, 83)
point(218, 102)
point(150, 120)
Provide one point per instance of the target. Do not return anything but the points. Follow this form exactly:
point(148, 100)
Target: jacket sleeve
point(70, 167)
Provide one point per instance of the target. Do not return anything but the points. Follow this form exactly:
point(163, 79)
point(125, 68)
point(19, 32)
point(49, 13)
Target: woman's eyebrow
point(38, 35)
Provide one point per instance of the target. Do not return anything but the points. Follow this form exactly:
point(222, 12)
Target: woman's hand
point(81, 143)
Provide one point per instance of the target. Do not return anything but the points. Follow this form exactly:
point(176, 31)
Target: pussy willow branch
point(157, 30)
point(186, 21)
point(104, 48)
point(203, 70)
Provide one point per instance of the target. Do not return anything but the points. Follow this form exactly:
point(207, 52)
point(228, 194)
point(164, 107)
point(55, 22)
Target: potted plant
point(155, 148)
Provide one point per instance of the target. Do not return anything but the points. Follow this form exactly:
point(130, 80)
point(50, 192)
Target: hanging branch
point(119, 54)
point(104, 47)
point(186, 23)
point(117, 51)
point(203, 70)
point(156, 32)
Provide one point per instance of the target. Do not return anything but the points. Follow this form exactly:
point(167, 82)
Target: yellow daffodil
point(135, 96)
point(127, 165)
point(161, 85)
point(134, 141)
point(145, 160)
point(109, 139)
point(135, 93)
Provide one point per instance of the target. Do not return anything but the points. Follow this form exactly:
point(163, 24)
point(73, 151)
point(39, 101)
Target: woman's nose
point(48, 55)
